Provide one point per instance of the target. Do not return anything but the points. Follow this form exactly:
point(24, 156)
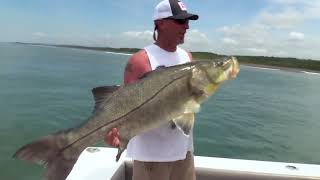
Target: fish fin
point(192, 106)
point(172, 124)
point(121, 148)
point(59, 168)
point(207, 92)
point(100, 94)
point(211, 88)
point(38, 152)
point(145, 75)
point(120, 151)
point(185, 122)
point(48, 152)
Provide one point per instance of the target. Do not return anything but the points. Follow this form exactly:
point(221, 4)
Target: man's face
point(174, 30)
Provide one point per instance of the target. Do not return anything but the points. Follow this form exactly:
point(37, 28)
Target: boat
point(99, 163)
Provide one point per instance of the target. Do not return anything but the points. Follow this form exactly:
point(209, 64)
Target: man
point(164, 153)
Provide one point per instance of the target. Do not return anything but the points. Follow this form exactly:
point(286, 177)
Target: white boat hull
point(99, 163)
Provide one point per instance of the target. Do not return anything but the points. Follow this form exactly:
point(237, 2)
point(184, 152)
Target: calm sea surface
point(264, 114)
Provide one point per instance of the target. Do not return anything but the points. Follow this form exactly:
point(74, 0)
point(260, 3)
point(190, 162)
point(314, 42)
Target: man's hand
point(112, 138)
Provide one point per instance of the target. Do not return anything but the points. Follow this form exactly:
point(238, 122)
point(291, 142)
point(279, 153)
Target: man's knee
point(151, 170)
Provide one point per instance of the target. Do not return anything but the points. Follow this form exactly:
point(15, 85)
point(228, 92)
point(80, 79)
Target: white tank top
point(162, 144)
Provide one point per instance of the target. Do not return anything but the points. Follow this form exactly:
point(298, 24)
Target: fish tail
point(49, 151)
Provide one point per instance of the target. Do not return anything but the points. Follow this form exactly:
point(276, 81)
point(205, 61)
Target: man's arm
point(136, 67)
point(190, 56)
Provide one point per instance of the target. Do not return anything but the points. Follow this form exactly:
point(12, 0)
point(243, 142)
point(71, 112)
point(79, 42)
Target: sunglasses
point(179, 21)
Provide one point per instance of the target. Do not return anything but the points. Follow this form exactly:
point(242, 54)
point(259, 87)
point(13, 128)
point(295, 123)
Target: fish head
point(221, 69)
point(208, 75)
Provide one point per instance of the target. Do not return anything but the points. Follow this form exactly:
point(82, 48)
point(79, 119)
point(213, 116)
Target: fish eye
point(225, 62)
point(221, 63)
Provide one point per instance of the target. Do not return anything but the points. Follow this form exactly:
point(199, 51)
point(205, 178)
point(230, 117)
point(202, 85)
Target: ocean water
point(264, 114)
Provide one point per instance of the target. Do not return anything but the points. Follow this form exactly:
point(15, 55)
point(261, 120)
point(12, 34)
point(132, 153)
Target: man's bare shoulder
point(189, 54)
point(139, 57)
point(137, 66)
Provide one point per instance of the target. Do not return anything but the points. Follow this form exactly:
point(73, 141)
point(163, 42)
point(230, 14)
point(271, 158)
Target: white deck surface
point(99, 164)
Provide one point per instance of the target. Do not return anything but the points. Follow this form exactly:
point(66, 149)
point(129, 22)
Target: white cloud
point(107, 36)
point(256, 50)
point(230, 30)
point(261, 40)
point(196, 35)
point(296, 36)
point(130, 39)
point(196, 40)
point(247, 39)
point(244, 40)
point(289, 14)
point(229, 41)
point(275, 31)
point(39, 34)
point(288, 1)
point(255, 34)
point(286, 19)
point(142, 35)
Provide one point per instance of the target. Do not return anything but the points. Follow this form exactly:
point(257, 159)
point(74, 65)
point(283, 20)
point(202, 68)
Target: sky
point(281, 28)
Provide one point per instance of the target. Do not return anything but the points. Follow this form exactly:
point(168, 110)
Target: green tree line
point(263, 60)
point(307, 64)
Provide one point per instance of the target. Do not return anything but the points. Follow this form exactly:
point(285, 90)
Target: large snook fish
point(166, 95)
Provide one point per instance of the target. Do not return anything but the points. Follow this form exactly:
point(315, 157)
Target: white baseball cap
point(173, 9)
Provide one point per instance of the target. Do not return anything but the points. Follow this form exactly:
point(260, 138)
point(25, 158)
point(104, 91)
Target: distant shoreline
point(289, 69)
point(285, 64)
point(110, 52)
point(297, 70)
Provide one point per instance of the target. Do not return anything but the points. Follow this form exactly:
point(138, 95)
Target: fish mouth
point(235, 68)
point(232, 68)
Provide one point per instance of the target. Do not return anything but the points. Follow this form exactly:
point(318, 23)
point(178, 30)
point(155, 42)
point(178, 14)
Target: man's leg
point(151, 170)
point(184, 169)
